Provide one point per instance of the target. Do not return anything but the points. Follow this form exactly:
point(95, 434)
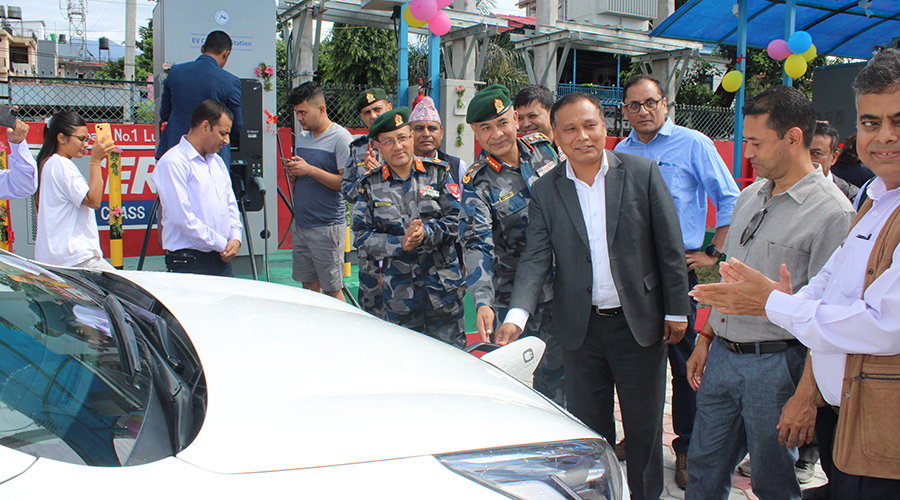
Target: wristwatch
point(712, 251)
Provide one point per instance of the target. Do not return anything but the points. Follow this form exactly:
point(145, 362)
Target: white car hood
point(298, 379)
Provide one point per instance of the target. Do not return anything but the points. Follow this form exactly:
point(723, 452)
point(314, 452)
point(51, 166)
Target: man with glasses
point(752, 397)
point(693, 171)
point(825, 150)
point(319, 230)
point(407, 216)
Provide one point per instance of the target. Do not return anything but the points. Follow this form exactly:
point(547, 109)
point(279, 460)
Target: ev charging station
point(179, 30)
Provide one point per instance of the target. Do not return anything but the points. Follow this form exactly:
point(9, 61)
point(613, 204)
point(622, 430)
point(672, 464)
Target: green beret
point(389, 121)
point(368, 97)
point(488, 104)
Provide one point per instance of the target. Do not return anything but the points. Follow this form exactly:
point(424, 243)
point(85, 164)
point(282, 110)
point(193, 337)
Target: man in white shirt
point(201, 226)
point(609, 223)
point(20, 178)
point(850, 311)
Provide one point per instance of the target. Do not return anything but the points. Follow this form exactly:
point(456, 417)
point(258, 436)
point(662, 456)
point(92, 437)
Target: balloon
point(810, 54)
point(412, 21)
point(423, 10)
point(443, 4)
point(732, 81)
point(799, 42)
point(439, 24)
point(778, 49)
point(795, 66)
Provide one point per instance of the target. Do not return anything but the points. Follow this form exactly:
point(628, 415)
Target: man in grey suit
point(610, 222)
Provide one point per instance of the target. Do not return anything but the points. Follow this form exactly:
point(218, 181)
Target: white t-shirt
point(67, 230)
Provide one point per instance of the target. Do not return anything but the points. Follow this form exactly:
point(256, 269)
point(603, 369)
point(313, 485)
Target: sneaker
point(744, 468)
point(681, 470)
point(818, 493)
point(620, 450)
point(805, 471)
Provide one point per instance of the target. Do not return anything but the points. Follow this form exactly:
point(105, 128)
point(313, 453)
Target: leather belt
point(191, 253)
point(606, 312)
point(767, 347)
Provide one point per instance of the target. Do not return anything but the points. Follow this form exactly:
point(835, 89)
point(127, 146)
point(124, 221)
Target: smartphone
point(102, 130)
point(8, 117)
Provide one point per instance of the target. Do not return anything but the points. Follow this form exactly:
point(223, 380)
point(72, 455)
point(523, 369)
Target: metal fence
point(340, 101)
point(95, 100)
point(716, 123)
point(603, 93)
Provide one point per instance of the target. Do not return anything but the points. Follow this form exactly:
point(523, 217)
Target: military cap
point(368, 97)
point(389, 121)
point(488, 104)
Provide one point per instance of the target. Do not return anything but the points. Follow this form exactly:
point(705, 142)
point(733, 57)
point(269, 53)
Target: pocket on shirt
point(510, 206)
point(779, 254)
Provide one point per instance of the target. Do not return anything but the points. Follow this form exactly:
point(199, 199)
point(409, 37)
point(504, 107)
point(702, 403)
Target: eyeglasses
point(85, 139)
point(402, 140)
point(752, 226)
point(635, 107)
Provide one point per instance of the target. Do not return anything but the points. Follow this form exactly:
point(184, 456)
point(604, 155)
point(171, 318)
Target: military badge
point(429, 192)
point(370, 97)
point(546, 168)
point(507, 196)
point(498, 105)
point(467, 179)
point(382, 204)
point(398, 120)
point(493, 163)
point(454, 189)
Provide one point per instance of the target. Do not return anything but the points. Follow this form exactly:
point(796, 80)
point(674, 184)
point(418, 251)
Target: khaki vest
point(867, 440)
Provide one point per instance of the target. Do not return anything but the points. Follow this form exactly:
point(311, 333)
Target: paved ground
point(279, 272)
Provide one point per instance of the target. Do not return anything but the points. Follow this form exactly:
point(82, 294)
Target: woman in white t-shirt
point(67, 228)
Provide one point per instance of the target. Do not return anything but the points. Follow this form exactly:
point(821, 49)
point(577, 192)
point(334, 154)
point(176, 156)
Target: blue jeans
point(738, 407)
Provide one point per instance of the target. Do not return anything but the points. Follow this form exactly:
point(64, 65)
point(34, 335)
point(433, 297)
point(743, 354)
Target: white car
point(153, 385)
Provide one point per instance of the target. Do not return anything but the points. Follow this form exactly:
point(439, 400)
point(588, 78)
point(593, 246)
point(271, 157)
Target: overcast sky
point(107, 17)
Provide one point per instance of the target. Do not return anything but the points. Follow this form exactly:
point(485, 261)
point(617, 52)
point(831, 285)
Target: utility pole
point(130, 28)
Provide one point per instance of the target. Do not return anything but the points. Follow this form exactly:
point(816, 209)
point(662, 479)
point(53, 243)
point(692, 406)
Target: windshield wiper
point(131, 359)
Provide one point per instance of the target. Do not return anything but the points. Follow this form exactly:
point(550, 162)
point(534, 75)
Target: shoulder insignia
point(535, 137)
point(493, 163)
point(475, 167)
point(386, 172)
point(454, 190)
point(419, 165)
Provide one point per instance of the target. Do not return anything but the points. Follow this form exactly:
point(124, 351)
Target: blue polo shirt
point(693, 170)
point(315, 204)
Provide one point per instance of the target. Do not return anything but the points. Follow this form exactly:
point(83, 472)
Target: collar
point(800, 190)
point(601, 174)
point(878, 188)
point(666, 130)
point(418, 166)
point(189, 150)
point(209, 59)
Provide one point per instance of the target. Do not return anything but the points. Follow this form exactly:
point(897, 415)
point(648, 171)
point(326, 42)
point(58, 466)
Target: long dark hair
point(64, 122)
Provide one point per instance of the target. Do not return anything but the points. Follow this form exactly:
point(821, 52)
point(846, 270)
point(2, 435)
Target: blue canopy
point(843, 28)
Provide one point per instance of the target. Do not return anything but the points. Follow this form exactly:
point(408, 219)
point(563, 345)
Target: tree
point(143, 62)
point(359, 56)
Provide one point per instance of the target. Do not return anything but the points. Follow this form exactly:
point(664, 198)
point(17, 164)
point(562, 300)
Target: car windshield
point(63, 392)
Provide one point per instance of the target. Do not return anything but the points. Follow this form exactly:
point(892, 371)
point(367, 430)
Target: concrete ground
point(280, 272)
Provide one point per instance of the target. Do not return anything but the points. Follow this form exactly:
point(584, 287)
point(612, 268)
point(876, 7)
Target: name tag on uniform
point(429, 192)
point(382, 204)
point(507, 196)
point(546, 168)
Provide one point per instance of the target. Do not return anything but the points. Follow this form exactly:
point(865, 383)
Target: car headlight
point(570, 470)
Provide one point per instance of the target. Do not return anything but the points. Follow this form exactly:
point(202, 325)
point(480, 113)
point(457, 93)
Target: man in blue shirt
point(188, 84)
point(693, 170)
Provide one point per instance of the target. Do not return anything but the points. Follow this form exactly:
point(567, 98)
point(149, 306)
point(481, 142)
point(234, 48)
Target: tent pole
point(739, 101)
point(790, 19)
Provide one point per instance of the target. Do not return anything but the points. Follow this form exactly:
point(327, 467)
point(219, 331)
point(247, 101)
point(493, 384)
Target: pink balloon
point(439, 24)
point(443, 4)
point(778, 49)
point(423, 10)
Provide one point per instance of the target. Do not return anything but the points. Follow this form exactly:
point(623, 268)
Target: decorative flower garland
point(459, 133)
point(264, 72)
point(460, 92)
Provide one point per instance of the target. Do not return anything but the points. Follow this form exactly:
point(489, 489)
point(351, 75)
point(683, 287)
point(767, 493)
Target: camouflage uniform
point(423, 288)
point(492, 229)
point(369, 296)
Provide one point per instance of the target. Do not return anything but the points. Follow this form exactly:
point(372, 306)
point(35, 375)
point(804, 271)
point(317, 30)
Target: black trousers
point(684, 398)
point(611, 360)
point(196, 262)
point(847, 486)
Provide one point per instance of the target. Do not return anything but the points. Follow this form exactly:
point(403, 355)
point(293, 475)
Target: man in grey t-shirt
point(320, 225)
point(752, 397)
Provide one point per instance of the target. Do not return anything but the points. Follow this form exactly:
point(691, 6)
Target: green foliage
point(359, 55)
point(505, 65)
point(143, 63)
point(695, 89)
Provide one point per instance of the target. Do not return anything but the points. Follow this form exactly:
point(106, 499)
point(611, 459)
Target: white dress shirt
point(832, 316)
point(592, 199)
point(199, 210)
point(19, 180)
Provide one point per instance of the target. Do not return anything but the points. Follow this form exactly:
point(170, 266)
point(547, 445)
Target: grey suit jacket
point(645, 248)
